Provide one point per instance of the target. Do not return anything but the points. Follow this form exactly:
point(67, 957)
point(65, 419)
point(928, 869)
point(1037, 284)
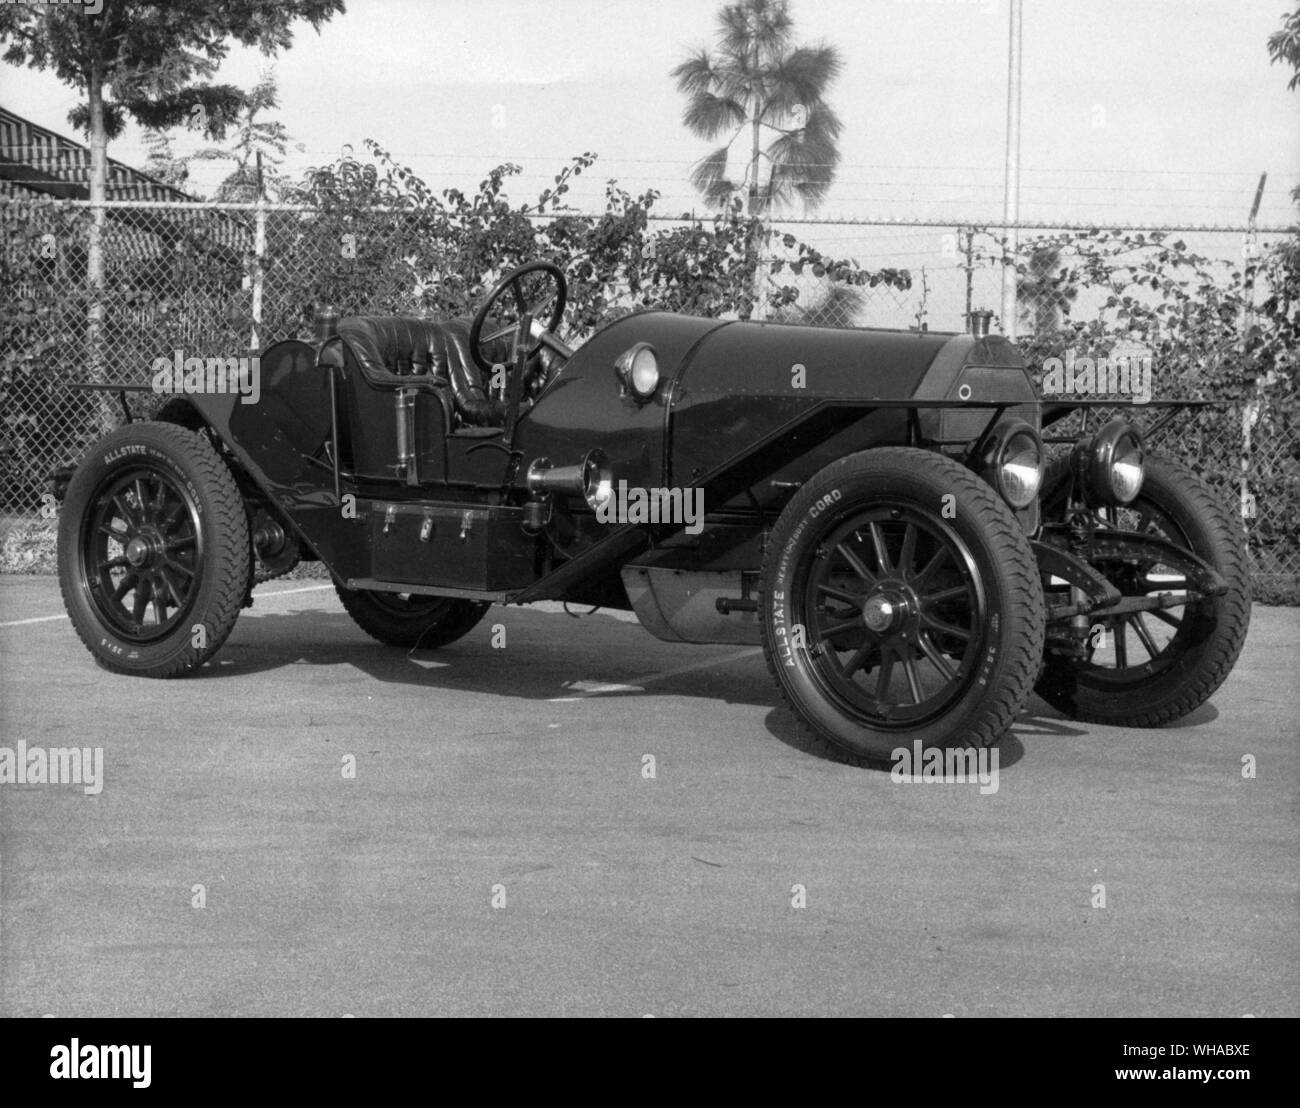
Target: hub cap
point(884, 610)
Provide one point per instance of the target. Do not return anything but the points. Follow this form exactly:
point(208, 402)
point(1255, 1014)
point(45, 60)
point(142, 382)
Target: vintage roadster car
point(875, 507)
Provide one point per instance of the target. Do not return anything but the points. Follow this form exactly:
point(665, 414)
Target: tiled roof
point(36, 162)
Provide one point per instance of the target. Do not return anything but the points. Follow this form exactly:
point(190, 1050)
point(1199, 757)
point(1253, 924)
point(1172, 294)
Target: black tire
point(409, 619)
point(1188, 662)
point(964, 587)
point(153, 550)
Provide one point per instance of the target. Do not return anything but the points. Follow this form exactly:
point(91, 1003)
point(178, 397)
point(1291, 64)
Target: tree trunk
point(95, 359)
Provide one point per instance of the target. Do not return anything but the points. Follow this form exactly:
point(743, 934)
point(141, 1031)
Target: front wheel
point(901, 603)
point(1145, 669)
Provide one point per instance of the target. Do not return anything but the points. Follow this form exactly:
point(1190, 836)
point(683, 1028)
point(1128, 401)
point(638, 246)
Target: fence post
point(259, 250)
point(1011, 184)
point(969, 233)
point(1253, 406)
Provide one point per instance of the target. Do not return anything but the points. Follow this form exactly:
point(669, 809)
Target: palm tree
point(1043, 298)
point(835, 306)
point(761, 85)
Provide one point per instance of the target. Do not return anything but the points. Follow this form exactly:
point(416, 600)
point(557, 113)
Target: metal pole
point(1254, 405)
point(1011, 184)
point(969, 232)
point(259, 252)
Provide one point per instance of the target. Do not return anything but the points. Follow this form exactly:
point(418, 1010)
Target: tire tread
point(1234, 612)
point(229, 519)
point(1001, 710)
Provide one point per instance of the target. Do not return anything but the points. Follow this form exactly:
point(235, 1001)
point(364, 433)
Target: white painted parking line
point(36, 619)
point(260, 596)
point(287, 592)
point(636, 684)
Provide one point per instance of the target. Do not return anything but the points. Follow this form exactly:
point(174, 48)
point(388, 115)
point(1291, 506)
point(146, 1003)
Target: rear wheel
point(410, 619)
point(153, 550)
point(1145, 669)
point(900, 603)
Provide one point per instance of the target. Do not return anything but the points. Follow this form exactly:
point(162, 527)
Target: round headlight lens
point(1126, 471)
point(644, 375)
point(1112, 465)
point(638, 369)
point(1020, 469)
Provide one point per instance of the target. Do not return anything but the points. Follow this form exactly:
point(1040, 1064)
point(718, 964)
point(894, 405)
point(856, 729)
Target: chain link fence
point(226, 280)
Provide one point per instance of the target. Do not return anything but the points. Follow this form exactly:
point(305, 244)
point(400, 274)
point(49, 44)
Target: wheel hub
point(885, 610)
point(139, 551)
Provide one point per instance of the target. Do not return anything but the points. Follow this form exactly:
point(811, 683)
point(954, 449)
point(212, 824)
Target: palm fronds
point(757, 76)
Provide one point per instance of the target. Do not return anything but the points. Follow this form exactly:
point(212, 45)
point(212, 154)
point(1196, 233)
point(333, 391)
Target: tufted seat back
point(384, 347)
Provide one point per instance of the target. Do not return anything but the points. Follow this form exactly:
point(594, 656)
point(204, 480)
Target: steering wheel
point(534, 289)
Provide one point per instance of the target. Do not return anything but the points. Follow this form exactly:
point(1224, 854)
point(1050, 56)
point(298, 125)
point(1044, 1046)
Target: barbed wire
point(550, 156)
point(961, 220)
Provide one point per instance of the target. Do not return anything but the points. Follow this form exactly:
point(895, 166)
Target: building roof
point(36, 162)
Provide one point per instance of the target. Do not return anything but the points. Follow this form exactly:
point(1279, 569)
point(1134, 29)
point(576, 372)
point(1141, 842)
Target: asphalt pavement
point(564, 816)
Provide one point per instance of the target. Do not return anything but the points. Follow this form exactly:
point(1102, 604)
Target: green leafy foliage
point(41, 333)
point(379, 239)
point(370, 237)
point(1214, 330)
point(1284, 47)
point(264, 139)
point(156, 58)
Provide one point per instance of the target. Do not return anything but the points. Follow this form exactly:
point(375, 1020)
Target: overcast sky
point(1133, 109)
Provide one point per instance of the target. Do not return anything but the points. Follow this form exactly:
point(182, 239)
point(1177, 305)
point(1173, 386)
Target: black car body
point(877, 510)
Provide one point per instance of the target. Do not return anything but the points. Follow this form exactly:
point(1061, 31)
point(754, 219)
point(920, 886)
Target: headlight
point(1020, 469)
point(638, 370)
point(1111, 465)
point(1014, 465)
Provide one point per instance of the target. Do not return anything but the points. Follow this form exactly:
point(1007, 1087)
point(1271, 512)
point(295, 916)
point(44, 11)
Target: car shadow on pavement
point(783, 726)
point(535, 667)
point(544, 667)
point(1052, 722)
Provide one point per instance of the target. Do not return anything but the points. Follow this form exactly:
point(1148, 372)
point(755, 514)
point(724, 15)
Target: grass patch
point(30, 547)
